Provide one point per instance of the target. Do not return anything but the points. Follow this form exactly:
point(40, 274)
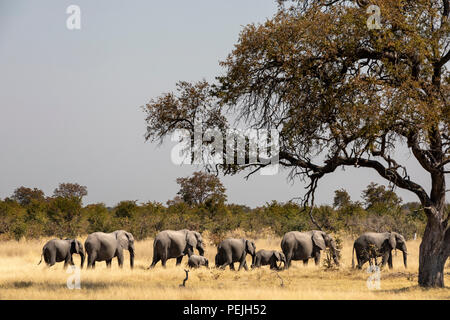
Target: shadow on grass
point(399, 290)
point(411, 289)
point(88, 285)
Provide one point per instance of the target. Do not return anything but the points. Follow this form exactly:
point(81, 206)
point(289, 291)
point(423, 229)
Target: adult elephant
point(170, 244)
point(102, 246)
point(306, 245)
point(371, 245)
point(58, 250)
point(269, 257)
point(230, 251)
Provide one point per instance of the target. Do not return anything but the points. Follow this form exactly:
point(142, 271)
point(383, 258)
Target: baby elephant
point(58, 250)
point(269, 257)
point(196, 261)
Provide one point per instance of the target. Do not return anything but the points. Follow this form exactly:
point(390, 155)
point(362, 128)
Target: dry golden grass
point(22, 278)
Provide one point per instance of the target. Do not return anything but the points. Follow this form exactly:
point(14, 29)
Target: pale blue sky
point(70, 99)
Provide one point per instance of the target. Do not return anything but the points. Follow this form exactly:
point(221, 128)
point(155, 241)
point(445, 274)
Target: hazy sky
point(70, 100)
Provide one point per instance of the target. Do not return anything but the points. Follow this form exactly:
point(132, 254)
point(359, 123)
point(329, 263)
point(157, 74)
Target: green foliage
point(202, 188)
point(66, 216)
point(125, 209)
point(376, 198)
point(70, 190)
point(24, 196)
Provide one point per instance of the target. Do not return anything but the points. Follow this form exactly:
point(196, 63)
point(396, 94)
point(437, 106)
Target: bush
point(66, 217)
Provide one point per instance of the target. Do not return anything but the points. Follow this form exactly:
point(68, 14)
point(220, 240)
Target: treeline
point(29, 213)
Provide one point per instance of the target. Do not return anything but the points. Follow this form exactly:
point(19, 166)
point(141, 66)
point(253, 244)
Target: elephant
point(58, 250)
point(196, 261)
point(371, 245)
point(269, 257)
point(306, 245)
point(102, 246)
point(230, 251)
point(170, 244)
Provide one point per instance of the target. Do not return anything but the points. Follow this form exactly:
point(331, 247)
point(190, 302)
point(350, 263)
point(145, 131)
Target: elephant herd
point(170, 244)
point(99, 246)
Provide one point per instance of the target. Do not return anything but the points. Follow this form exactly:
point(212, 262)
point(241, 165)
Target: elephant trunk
point(131, 250)
point(405, 258)
point(201, 251)
point(336, 259)
point(82, 255)
point(253, 258)
point(335, 254)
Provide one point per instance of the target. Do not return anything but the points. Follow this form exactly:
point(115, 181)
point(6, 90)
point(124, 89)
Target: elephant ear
point(392, 240)
point(191, 239)
point(129, 236)
point(277, 256)
point(122, 237)
point(74, 246)
point(248, 246)
point(198, 236)
point(318, 240)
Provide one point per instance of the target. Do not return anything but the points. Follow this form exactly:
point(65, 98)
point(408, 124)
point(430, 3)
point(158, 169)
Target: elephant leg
point(363, 258)
point(242, 263)
point(362, 261)
point(51, 259)
point(108, 263)
point(224, 265)
point(358, 261)
point(66, 262)
point(390, 261)
point(228, 262)
point(51, 263)
point(120, 258)
point(258, 262)
point(305, 262)
point(317, 258)
point(91, 260)
point(288, 260)
point(156, 258)
point(164, 260)
point(179, 260)
point(384, 259)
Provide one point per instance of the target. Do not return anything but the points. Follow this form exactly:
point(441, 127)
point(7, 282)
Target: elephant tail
point(42, 255)
point(353, 257)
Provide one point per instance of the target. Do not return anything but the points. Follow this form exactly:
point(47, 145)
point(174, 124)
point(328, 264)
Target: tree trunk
point(433, 255)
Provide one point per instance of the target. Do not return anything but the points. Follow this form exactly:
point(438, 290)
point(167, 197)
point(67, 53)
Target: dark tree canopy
point(341, 198)
point(24, 195)
point(201, 188)
point(70, 190)
point(340, 94)
point(375, 195)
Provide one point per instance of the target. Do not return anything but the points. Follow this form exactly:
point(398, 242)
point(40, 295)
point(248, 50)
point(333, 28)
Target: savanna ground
point(22, 278)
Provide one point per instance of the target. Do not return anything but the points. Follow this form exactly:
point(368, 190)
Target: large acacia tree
point(340, 94)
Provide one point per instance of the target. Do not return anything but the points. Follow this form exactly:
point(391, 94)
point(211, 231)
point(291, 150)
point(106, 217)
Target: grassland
point(22, 278)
